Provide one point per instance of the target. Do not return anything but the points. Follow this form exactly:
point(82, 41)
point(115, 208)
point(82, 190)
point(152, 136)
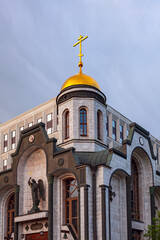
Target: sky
point(122, 53)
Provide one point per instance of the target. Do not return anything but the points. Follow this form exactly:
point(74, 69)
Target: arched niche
point(117, 205)
point(145, 181)
point(59, 206)
point(5, 194)
point(32, 163)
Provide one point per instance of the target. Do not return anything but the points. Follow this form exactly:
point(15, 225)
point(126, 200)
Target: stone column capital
point(103, 187)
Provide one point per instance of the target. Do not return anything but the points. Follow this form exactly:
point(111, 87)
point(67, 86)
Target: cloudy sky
point(122, 53)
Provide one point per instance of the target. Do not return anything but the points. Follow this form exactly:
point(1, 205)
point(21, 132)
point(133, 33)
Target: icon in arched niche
point(37, 190)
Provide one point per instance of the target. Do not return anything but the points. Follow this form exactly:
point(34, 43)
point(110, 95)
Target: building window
point(99, 125)
point(67, 125)
point(10, 215)
point(83, 122)
point(5, 144)
point(71, 204)
point(127, 132)
point(114, 130)
point(30, 124)
point(4, 164)
point(135, 191)
point(157, 155)
point(121, 133)
point(107, 127)
point(13, 139)
point(49, 123)
point(136, 235)
point(39, 120)
point(21, 128)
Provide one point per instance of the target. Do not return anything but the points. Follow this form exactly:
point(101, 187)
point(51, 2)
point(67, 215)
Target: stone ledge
point(138, 225)
point(31, 217)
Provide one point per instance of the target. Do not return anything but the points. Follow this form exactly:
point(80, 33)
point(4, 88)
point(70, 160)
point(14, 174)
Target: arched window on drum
point(83, 122)
point(67, 124)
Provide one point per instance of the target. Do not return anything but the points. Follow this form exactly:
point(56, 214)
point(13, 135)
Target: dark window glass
point(99, 126)
point(121, 133)
point(107, 127)
point(135, 191)
point(114, 130)
point(67, 124)
point(136, 235)
point(83, 122)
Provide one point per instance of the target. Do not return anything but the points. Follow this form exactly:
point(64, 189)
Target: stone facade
point(99, 169)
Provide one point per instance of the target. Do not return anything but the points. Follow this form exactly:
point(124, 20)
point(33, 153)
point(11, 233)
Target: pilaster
point(129, 213)
point(50, 206)
point(16, 190)
point(103, 204)
point(86, 212)
point(152, 197)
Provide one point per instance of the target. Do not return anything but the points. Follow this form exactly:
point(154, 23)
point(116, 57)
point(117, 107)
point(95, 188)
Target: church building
point(75, 168)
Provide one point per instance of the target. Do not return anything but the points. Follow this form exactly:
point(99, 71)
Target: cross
point(80, 39)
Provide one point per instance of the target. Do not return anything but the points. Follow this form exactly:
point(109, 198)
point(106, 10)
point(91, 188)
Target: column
point(86, 212)
point(50, 206)
point(129, 213)
point(94, 203)
point(16, 213)
point(152, 195)
point(79, 206)
point(103, 204)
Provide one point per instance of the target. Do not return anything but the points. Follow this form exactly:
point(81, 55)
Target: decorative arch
point(117, 201)
point(32, 163)
point(142, 180)
point(5, 194)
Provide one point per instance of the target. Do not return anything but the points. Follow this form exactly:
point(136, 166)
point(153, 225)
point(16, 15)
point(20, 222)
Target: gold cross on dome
point(80, 39)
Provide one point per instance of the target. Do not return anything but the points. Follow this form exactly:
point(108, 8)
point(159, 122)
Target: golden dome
point(80, 79)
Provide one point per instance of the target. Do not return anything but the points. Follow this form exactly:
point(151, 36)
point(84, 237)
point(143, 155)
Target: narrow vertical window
point(114, 129)
point(127, 132)
point(107, 127)
point(83, 122)
point(121, 133)
point(4, 164)
point(49, 123)
point(39, 120)
point(10, 215)
point(21, 128)
point(67, 125)
point(135, 191)
point(136, 235)
point(30, 124)
point(99, 125)
point(157, 155)
point(13, 139)
point(71, 204)
point(5, 143)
